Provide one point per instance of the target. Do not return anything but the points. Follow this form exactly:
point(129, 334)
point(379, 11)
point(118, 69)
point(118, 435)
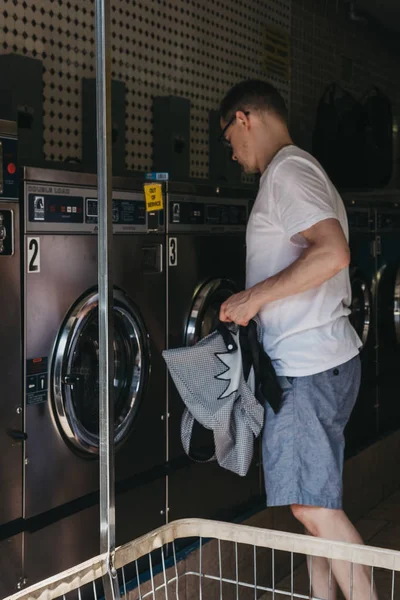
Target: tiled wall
point(328, 46)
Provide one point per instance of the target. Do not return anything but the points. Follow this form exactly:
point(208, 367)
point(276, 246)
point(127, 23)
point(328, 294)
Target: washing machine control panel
point(9, 189)
point(388, 219)
point(187, 213)
point(124, 212)
point(6, 232)
point(361, 219)
point(52, 208)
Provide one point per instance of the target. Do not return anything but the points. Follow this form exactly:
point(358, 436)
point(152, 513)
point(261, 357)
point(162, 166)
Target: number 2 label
point(33, 255)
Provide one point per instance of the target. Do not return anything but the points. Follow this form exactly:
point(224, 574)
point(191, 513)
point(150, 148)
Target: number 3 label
point(173, 252)
point(33, 255)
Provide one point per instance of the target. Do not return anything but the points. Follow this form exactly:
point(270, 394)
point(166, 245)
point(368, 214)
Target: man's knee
point(300, 512)
point(317, 519)
point(307, 516)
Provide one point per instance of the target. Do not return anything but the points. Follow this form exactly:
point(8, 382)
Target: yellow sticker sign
point(154, 196)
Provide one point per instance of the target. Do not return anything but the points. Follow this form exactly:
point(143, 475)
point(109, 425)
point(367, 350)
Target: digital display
point(124, 212)
point(388, 220)
point(187, 213)
point(237, 215)
point(195, 213)
point(213, 214)
point(91, 211)
point(224, 214)
point(359, 220)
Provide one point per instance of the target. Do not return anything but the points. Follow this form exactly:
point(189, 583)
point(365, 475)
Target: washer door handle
point(70, 379)
point(15, 434)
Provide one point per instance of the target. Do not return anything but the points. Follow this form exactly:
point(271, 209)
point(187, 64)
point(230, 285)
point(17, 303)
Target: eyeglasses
point(222, 137)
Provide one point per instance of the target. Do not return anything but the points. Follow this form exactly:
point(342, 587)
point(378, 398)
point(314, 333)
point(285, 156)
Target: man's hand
point(240, 308)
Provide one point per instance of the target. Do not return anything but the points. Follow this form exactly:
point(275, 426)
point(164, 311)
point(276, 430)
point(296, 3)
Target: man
point(297, 281)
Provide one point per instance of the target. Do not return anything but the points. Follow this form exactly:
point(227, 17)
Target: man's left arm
point(327, 254)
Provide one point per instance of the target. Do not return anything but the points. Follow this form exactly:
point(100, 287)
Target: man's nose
point(234, 157)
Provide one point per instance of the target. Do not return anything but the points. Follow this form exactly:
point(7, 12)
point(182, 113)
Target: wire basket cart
point(221, 561)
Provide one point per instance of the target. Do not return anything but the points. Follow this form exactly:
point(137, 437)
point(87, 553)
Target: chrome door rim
point(205, 292)
point(78, 436)
point(396, 304)
point(366, 300)
point(396, 296)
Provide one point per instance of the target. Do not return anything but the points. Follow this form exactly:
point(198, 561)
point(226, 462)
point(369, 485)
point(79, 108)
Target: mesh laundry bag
point(219, 385)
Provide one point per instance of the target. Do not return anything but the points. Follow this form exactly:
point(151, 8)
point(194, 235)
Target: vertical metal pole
point(104, 184)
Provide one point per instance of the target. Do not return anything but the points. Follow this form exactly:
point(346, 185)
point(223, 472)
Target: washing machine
point(61, 467)
point(388, 309)
point(61, 340)
point(206, 264)
point(362, 427)
point(10, 330)
point(11, 434)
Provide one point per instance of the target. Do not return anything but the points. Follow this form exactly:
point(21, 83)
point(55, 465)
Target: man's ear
point(242, 118)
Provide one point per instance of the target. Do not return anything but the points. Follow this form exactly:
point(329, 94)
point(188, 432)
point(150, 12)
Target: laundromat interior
point(336, 63)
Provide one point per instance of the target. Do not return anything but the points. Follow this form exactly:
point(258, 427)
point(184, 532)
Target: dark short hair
point(253, 94)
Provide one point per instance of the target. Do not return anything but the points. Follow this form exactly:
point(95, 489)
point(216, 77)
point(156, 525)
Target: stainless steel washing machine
point(11, 435)
point(362, 427)
point(61, 339)
point(10, 330)
point(388, 309)
point(206, 257)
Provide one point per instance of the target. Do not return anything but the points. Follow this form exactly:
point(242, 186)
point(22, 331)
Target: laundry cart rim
point(207, 530)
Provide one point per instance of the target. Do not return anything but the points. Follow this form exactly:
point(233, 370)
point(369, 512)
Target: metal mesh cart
point(221, 561)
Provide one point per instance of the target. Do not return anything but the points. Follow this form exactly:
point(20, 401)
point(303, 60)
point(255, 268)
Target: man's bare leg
point(333, 524)
point(323, 581)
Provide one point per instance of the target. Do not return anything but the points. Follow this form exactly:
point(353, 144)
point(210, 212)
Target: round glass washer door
point(204, 314)
point(203, 319)
point(75, 371)
point(361, 306)
point(388, 285)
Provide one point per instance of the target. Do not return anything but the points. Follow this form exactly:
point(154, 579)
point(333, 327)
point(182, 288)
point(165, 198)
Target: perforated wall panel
point(194, 49)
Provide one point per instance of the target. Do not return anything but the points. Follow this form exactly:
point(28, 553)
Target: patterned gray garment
point(209, 378)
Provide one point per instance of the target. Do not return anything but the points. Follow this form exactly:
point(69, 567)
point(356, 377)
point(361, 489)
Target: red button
point(11, 168)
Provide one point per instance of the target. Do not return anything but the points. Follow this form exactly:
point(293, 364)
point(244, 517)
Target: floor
point(381, 528)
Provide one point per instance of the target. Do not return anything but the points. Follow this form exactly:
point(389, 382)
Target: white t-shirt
point(309, 332)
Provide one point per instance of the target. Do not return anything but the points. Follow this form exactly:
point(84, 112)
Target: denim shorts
point(303, 445)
